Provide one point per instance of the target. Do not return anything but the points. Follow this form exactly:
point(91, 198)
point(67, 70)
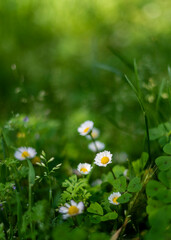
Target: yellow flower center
point(86, 130)
point(104, 160)
point(21, 135)
point(35, 160)
point(73, 210)
point(114, 200)
point(25, 154)
point(83, 170)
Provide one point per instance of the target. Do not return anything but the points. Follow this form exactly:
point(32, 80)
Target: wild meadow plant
point(104, 198)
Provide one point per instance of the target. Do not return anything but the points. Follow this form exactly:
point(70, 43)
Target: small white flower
point(95, 133)
point(125, 173)
point(25, 152)
point(71, 210)
point(113, 198)
point(102, 159)
point(84, 168)
point(121, 157)
point(100, 146)
point(85, 128)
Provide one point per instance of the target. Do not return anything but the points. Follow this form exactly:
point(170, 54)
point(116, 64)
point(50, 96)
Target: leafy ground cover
point(85, 125)
point(106, 196)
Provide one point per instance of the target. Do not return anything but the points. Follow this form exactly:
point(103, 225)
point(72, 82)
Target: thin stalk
point(89, 175)
point(30, 206)
point(144, 113)
point(112, 172)
point(148, 136)
point(97, 150)
point(50, 192)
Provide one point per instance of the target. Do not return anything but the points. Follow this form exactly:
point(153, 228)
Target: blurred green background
point(54, 62)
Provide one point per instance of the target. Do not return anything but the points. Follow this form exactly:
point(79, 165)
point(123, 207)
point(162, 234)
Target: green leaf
point(154, 187)
point(156, 133)
point(134, 185)
point(95, 219)
point(118, 170)
point(109, 216)
point(165, 178)
point(163, 162)
point(124, 198)
point(95, 208)
point(167, 148)
point(120, 184)
point(164, 195)
point(144, 158)
point(31, 173)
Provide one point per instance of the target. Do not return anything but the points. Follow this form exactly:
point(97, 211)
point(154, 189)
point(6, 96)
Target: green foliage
point(75, 189)
point(109, 216)
point(2, 235)
point(118, 170)
point(40, 216)
point(120, 184)
point(159, 200)
point(72, 64)
point(95, 208)
point(167, 148)
point(124, 198)
point(163, 162)
point(134, 185)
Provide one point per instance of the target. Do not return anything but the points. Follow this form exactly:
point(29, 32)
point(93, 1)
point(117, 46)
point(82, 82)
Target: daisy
point(25, 152)
point(102, 159)
point(95, 133)
point(100, 146)
point(85, 128)
point(71, 210)
point(84, 168)
point(113, 198)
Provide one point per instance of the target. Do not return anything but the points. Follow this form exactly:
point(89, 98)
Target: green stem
point(30, 204)
point(148, 137)
point(94, 143)
point(112, 172)
point(50, 192)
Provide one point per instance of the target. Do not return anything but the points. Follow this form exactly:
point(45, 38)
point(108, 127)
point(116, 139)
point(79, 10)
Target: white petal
point(63, 210)
point(67, 205)
point(73, 203)
point(80, 206)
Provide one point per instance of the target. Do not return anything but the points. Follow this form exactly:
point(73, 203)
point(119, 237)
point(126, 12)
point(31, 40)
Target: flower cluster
point(101, 159)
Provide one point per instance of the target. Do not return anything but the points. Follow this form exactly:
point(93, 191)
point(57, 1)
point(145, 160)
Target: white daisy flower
point(25, 152)
point(71, 210)
point(100, 146)
point(113, 198)
point(102, 159)
point(84, 168)
point(95, 133)
point(85, 128)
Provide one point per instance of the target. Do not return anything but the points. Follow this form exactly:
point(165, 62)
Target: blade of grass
point(122, 58)
point(144, 113)
point(109, 69)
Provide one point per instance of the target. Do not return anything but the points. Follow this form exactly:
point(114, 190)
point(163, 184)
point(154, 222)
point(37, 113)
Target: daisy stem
point(89, 175)
point(112, 172)
point(75, 221)
point(94, 143)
